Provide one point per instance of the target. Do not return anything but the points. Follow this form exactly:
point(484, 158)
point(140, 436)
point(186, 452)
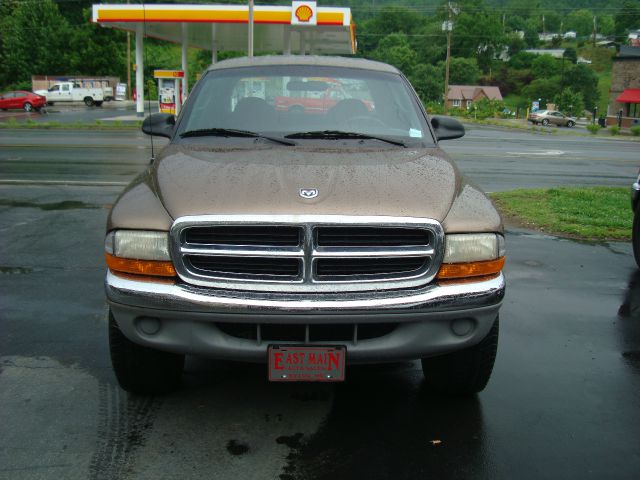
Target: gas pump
point(169, 90)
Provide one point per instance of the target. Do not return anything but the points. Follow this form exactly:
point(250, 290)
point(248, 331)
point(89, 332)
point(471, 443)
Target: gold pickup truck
point(307, 242)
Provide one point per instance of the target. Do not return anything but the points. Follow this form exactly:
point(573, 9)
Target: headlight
point(139, 252)
point(473, 247)
point(472, 255)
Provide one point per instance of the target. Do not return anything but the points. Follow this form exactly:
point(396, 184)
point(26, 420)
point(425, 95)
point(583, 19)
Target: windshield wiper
point(232, 132)
point(336, 134)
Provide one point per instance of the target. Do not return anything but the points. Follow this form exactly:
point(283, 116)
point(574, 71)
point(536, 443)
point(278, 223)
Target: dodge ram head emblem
point(308, 192)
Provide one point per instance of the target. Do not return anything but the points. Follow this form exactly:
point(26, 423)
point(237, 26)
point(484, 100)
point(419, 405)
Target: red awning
point(630, 95)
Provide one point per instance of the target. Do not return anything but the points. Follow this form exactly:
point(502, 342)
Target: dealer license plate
point(298, 363)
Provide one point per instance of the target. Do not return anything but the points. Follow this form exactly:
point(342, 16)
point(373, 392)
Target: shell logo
point(304, 13)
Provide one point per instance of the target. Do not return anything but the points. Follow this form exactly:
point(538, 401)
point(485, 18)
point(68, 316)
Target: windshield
point(287, 100)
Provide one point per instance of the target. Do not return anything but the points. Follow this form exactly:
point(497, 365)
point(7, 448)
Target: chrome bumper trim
point(181, 297)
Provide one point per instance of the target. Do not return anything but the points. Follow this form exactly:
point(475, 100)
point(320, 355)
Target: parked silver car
point(554, 117)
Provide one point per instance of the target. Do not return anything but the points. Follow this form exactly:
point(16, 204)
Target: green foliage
point(595, 213)
point(464, 71)
point(571, 55)
point(594, 128)
point(570, 102)
point(395, 49)
point(581, 21)
point(635, 131)
point(581, 78)
point(542, 88)
point(428, 80)
point(627, 18)
point(614, 130)
point(545, 66)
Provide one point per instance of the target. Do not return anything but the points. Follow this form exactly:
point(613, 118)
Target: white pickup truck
point(72, 92)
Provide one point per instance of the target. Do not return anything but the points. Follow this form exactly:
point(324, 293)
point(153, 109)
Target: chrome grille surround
point(308, 252)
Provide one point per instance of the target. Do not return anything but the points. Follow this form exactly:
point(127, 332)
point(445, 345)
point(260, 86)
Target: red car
point(22, 99)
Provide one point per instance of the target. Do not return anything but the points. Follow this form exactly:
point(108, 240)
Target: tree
point(606, 25)
point(581, 21)
point(477, 32)
point(571, 55)
point(627, 18)
point(35, 41)
point(570, 102)
point(428, 80)
point(395, 49)
point(545, 66)
point(584, 80)
point(543, 88)
point(464, 71)
point(531, 33)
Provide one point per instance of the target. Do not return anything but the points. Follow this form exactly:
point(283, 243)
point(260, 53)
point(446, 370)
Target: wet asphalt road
point(563, 402)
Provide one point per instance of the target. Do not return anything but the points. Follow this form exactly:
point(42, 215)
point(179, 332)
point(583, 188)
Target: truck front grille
point(306, 253)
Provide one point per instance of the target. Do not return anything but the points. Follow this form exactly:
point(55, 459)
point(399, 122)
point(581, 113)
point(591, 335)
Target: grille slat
point(371, 237)
point(306, 253)
point(368, 266)
point(277, 236)
point(247, 265)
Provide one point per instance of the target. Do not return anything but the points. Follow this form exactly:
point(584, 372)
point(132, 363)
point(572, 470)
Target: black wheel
point(50, 103)
point(545, 122)
point(635, 237)
point(98, 104)
point(27, 107)
point(570, 124)
point(464, 372)
point(88, 101)
point(141, 369)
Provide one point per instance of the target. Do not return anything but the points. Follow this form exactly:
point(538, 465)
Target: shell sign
point(303, 13)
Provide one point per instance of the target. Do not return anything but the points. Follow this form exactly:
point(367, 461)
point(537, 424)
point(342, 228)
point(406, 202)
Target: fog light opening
point(463, 326)
point(148, 325)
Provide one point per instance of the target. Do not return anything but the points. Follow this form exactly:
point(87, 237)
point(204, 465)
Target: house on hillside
point(462, 96)
point(624, 99)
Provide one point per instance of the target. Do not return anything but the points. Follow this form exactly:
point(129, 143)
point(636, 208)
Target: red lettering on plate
point(278, 361)
point(312, 358)
point(334, 360)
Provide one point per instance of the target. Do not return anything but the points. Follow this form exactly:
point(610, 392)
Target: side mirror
point(159, 124)
point(447, 128)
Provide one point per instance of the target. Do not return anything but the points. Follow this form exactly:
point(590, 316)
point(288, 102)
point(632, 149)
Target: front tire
point(88, 101)
point(545, 122)
point(27, 107)
point(464, 372)
point(142, 370)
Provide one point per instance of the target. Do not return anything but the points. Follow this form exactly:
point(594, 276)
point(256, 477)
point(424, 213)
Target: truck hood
point(395, 182)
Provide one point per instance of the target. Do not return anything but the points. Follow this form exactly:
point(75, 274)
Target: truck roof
point(313, 60)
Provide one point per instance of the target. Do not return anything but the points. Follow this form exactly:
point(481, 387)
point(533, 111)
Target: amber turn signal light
point(472, 269)
point(140, 267)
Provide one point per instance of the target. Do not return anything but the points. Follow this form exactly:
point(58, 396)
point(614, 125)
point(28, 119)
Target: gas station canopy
point(278, 29)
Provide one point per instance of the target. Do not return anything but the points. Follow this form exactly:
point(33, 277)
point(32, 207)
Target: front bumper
point(186, 319)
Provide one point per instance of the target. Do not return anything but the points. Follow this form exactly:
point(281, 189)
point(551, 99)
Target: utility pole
point(447, 26)
point(504, 17)
point(128, 64)
point(544, 31)
point(594, 31)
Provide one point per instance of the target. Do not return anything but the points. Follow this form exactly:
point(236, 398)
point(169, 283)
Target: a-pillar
point(185, 66)
point(139, 72)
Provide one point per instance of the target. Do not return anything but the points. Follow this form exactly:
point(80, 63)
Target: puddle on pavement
point(64, 205)
point(15, 270)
